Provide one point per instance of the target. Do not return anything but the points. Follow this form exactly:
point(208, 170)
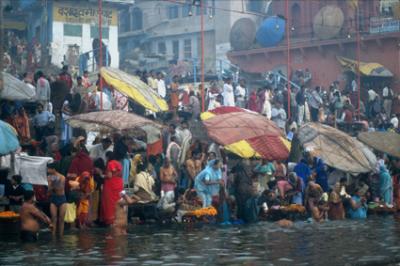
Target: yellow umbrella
point(133, 88)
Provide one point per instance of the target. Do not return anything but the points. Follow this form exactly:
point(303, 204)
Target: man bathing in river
point(30, 215)
point(121, 214)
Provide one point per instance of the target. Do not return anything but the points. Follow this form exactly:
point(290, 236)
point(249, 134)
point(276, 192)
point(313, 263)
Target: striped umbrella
point(245, 133)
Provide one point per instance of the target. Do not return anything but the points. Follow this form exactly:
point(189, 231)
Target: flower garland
point(8, 214)
point(209, 211)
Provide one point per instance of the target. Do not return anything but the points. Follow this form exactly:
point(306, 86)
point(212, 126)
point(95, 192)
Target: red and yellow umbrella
point(246, 133)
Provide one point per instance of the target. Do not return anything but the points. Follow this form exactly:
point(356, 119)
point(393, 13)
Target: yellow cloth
point(70, 213)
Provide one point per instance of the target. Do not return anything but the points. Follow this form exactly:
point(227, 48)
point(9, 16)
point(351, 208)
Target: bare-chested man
point(120, 224)
point(30, 217)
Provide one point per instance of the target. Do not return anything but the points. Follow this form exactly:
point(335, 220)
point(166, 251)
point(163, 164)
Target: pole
point(202, 54)
point(358, 62)
point(288, 56)
point(100, 11)
point(1, 45)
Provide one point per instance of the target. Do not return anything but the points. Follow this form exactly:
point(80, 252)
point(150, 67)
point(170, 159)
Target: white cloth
point(97, 151)
point(279, 117)
point(107, 104)
point(267, 108)
point(386, 92)
point(33, 169)
point(43, 90)
point(372, 95)
point(162, 91)
point(395, 122)
point(301, 112)
point(229, 97)
point(354, 85)
point(315, 100)
point(240, 92)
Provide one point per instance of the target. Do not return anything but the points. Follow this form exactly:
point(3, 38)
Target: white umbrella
point(15, 89)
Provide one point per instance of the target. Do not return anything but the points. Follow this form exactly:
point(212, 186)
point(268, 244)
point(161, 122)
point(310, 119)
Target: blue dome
point(271, 31)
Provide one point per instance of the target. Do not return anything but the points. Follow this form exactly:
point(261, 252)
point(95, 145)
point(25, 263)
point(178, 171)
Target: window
point(94, 32)
point(137, 19)
point(205, 6)
point(162, 49)
point(173, 12)
point(255, 5)
point(72, 30)
point(186, 9)
point(175, 49)
point(187, 48)
point(124, 21)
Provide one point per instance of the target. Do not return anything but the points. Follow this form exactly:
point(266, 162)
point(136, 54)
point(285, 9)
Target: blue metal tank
point(271, 31)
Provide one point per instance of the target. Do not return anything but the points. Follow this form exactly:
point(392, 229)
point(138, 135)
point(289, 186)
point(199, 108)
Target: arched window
point(137, 19)
point(295, 26)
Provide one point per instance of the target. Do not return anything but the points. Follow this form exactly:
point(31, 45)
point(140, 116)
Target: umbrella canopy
point(8, 139)
point(133, 88)
point(387, 142)
point(246, 133)
point(15, 89)
point(366, 69)
point(336, 148)
point(117, 120)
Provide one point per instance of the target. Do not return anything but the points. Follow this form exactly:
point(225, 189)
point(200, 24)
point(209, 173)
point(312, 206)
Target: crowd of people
point(92, 181)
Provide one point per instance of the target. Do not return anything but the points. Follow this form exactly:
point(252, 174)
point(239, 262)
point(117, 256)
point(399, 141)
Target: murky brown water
point(375, 241)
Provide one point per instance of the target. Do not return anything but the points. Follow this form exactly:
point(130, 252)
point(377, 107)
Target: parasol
point(387, 142)
point(336, 148)
point(133, 88)
point(8, 139)
point(15, 89)
point(246, 133)
point(117, 120)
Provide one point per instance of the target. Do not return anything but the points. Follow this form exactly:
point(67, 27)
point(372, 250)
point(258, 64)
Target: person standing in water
point(58, 201)
point(120, 223)
point(30, 217)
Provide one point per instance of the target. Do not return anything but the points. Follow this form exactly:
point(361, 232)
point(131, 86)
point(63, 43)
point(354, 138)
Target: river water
point(375, 241)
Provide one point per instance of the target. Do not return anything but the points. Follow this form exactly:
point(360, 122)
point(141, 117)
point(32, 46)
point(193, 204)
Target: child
point(86, 187)
point(121, 214)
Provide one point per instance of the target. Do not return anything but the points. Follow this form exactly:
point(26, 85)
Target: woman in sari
point(21, 124)
point(207, 182)
point(385, 186)
point(174, 94)
point(113, 185)
point(252, 105)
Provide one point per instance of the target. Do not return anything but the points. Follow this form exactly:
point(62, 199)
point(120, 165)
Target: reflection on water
point(371, 242)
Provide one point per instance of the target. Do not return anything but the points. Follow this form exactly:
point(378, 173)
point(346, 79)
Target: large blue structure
point(271, 31)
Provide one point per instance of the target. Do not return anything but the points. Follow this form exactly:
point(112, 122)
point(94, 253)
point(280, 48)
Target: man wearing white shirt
point(161, 89)
point(99, 150)
point(387, 95)
point(229, 97)
point(241, 94)
point(278, 116)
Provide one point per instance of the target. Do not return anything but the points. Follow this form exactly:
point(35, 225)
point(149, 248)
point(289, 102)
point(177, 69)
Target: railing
point(383, 24)
point(277, 74)
point(87, 61)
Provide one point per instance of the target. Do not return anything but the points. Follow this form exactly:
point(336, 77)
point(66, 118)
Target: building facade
point(66, 30)
point(316, 43)
point(152, 33)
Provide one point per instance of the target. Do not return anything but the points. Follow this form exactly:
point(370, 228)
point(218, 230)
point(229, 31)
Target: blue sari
point(385, 185)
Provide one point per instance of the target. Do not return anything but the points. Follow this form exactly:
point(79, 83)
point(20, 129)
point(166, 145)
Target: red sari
point(111, 190)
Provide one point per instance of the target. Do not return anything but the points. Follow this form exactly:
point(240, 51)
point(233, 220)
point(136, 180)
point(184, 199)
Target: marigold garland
point(209, 211)
point(8, 214)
